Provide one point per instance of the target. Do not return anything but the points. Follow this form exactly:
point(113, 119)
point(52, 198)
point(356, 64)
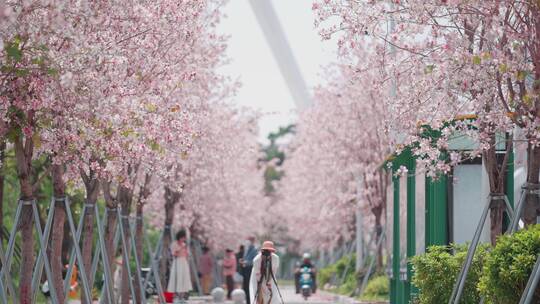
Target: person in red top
point(229, 269)
point(206, 266)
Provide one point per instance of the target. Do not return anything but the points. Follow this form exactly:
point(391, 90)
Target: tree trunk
point(497, 207)
point(532, 208)
point(2, 159)
point(125, 290)
point(139, 224)
point(139, 232)
point(57, 231)
point(163, 267)
point(170, 200)
point(23, 155)
point(92, 192)
point(497, 176)
point(530, 211)
point(375, 195)
point(139, 243)
point(110, 228)
point(378, 234)
point(28, 257)
point(124, 198)
point(66, 247)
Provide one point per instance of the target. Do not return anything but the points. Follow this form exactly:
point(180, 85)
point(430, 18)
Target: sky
point(252, 62)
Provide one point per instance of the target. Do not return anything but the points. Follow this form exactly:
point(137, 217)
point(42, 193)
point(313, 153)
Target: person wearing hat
point(262, 287)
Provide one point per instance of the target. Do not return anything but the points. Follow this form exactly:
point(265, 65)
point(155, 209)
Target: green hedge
point(499, 274)
point(378, 288)
point(508, 266)
point(435, 273)
point(336, 271)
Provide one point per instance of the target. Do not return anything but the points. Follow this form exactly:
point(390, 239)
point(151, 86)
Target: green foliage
point(429, 69)
point(378, 288)
point(349, 284)
point(336, 272)
point(13, 49)
point(325, 274)
point(509, 265)
point(272, 151)
point(435, 273)
point(23, 58)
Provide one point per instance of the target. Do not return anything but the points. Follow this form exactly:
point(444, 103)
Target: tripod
point(267, 274)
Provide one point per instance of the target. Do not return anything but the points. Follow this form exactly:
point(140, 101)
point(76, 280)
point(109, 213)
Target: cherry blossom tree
point(217, 182)
point(446, 58)
point(342, 141)
point(32, 105)
point(101, 88)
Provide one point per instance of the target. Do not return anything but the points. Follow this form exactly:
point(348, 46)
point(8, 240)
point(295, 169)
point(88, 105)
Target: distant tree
point(274, 156)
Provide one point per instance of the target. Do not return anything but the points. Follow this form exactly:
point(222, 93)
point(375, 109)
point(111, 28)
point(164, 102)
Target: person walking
point(229, 269)
point(247, 265)
point(206, 266)
point(180, 278)
point(239, 275)
point(263, 285)
point(239, 258)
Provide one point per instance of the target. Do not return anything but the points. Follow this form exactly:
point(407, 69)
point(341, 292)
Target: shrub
point(509, 265)
point(349, 284)
point(325, 274)
point(336, 270)
point(378, 288)
point(436, 271)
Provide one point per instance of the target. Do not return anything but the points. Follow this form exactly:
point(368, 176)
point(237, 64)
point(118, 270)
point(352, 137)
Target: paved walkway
point(289, 297)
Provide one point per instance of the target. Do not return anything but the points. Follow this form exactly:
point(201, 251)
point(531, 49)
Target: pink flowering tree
point(446, 58)
point(101, 88)
point(341, 142)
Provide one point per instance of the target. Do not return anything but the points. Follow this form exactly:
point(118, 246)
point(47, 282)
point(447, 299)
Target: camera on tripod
point(266, 286)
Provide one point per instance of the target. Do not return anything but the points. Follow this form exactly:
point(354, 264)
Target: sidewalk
point(289, 297)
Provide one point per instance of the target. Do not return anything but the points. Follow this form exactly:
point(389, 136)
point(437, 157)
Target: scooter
point(306, 282)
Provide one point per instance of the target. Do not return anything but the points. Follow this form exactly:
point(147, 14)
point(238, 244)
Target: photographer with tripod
point(263, 285)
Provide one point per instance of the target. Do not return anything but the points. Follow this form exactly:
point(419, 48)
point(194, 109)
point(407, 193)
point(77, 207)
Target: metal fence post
point(125, 251)
point(460, 283)
point(82, 270)
point(39, 263)
point(109, 288)
point(137, 262)
point(155, 270)
point(46, 261)
point(371, 263)
point(194, 268)
point(5, 272)
point(72, 251)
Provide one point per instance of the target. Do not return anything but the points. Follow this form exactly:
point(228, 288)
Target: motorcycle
point(306, 282)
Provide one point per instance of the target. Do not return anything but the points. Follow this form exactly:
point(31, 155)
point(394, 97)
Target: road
point(290, 297)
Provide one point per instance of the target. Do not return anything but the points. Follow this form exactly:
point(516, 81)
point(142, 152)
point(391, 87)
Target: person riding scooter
point(306, 263)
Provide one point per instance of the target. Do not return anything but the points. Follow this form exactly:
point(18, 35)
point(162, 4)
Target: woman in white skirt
point(180, 278)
